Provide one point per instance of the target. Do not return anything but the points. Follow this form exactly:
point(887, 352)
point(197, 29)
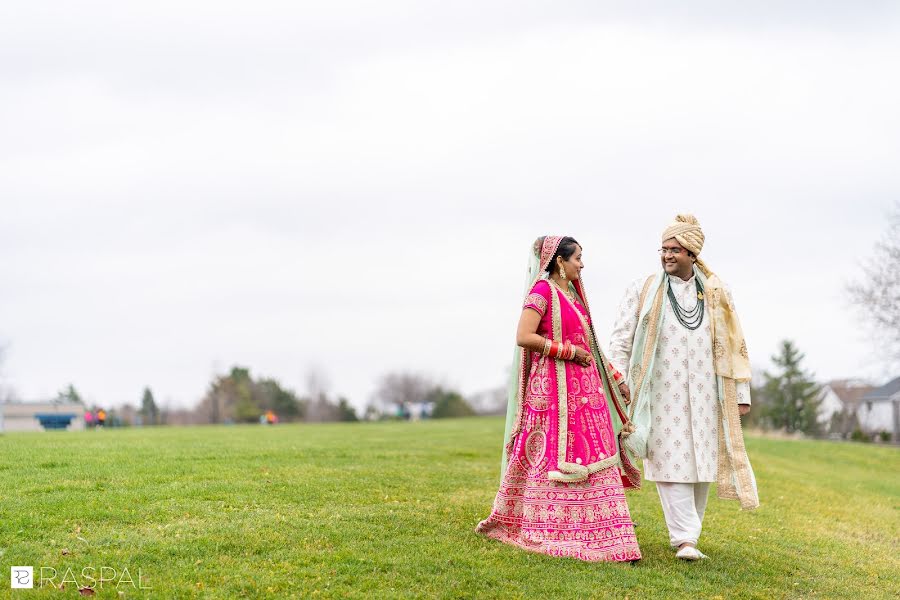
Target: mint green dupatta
point(514, 388)
point(643, 355)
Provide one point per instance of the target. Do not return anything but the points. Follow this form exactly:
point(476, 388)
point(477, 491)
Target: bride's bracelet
point(564, 351)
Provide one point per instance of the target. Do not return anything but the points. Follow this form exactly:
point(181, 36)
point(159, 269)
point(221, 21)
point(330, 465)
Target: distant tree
point(372, 412)
point(283, 402)
point(346, 412)
point(397, 391)
point(876, 295)
point(792, 396)
point(489, 402)
point(69, 394)
point(756, 416)
point(448, 404)
point(237, 397)
point(165, 412)
point(319, 408)
point(149, 410)
point(219, 402)
point(245, 409)
point(7, 394)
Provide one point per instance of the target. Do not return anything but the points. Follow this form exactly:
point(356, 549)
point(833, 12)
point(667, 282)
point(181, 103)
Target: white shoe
point(689, 553)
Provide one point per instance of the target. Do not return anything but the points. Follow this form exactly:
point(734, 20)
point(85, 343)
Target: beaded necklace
point(690, 319)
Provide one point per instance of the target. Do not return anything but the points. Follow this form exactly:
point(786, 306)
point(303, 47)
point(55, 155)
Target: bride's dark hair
point(567, 248)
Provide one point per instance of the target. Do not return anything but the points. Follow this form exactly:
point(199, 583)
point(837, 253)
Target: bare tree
point(7, 393)
point(317, 382)
point(489, 402)
point(877, 295)
point(318, 409)
point(397, 391)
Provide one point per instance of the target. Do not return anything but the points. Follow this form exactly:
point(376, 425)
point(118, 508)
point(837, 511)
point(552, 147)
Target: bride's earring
point(562, 271)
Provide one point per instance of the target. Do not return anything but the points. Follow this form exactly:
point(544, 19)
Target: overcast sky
point(353, 186)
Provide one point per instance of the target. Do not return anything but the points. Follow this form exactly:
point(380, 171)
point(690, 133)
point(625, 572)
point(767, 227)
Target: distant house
point(840, 402)
point(879, 410)
point(28, 416)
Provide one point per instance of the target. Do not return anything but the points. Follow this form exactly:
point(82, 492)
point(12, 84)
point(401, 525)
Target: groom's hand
point(626, 393)
point(743, 409)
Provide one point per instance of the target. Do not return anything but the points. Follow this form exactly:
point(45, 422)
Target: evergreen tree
point(237, 397)
point(792, 396)
point(449, 404)
point(70, 394)
point(283, 402)
point(149, 410)
point(345, 410)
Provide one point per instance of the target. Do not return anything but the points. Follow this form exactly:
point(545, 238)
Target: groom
point(688, 372)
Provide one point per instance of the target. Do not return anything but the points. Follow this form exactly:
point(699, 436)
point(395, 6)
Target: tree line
point(239, 397)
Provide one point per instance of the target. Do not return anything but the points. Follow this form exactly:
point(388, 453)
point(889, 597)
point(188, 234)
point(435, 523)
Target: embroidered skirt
point(587, 520)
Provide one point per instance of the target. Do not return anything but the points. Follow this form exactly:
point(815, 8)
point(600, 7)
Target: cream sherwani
point(682, 445)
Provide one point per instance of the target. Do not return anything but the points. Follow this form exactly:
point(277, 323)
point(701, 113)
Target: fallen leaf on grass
point(86, 591)
point(65, 552)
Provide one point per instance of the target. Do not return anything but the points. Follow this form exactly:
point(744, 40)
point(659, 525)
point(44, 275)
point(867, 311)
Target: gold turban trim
point(686, 229)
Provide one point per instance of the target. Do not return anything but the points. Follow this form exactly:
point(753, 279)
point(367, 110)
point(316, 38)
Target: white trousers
point(683, 506)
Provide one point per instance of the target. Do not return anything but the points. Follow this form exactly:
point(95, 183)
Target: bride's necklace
point(565, 290)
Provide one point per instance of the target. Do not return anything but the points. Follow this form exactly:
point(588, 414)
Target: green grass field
point(389, 509)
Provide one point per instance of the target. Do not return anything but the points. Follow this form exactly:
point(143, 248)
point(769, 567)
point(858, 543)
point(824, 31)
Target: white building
point(24, 416)
point(840, 401)
point(879, 410)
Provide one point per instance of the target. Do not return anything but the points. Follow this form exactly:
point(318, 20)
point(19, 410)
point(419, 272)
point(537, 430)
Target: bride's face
point(574, 265)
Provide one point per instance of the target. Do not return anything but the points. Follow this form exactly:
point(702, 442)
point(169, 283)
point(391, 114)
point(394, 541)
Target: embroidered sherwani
point(682, 442)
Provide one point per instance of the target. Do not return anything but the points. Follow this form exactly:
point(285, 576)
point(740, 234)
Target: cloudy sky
point(352, 186)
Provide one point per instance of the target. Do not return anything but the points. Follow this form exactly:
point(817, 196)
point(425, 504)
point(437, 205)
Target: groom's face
point(676, 260)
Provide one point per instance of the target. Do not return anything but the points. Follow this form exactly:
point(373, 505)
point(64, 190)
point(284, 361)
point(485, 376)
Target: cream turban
point(686, 229)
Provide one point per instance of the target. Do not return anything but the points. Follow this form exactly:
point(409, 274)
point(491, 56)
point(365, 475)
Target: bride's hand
point(583, 357)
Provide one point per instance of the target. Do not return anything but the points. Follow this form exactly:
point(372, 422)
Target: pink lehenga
point(562, 491)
